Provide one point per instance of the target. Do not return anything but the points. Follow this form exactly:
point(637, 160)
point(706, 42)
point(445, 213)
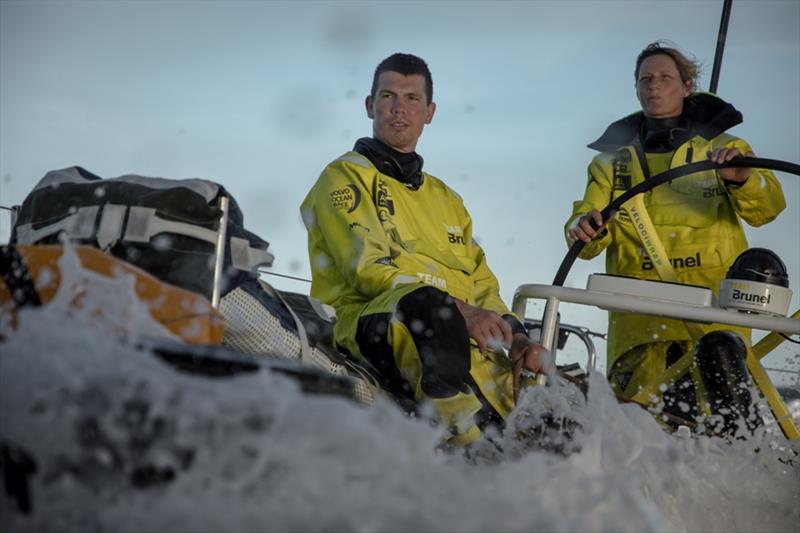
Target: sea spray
point(123, 441)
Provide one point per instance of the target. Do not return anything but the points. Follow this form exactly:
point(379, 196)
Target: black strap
point(18, 278)
point(637, 145)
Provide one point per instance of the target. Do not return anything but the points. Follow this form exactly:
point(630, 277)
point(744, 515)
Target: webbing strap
point(79, 225)
point(246, 257)
point(305, 347)
point(655, 249)
point(111, 223)
point(658, 255)
point(144, 224)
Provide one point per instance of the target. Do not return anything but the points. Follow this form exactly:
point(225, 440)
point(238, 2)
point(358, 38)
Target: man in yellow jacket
point(391, 249)
point(697, 218)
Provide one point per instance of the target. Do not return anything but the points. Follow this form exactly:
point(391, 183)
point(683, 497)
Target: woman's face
point(659, 87)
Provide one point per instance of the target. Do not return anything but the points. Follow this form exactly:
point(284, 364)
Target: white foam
point(250, 452)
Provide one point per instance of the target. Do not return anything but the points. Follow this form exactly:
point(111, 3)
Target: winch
point(756, 282)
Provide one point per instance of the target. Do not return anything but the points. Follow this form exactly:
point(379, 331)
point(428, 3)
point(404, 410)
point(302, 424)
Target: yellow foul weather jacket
point(697, 217)
point(369, 233)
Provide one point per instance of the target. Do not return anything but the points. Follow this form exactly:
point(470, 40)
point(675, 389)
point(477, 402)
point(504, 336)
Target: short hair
point(689, 69)
point(405, 64)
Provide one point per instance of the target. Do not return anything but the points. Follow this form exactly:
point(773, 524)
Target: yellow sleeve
point(759, 199)
point(597, 196)
point(341, 209)
point(487, 289)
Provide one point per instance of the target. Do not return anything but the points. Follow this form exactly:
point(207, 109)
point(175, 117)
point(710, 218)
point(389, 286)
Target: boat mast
point(723, 32)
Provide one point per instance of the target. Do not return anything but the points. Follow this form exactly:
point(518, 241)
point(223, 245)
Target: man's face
point(399, 110)
point(659, 87)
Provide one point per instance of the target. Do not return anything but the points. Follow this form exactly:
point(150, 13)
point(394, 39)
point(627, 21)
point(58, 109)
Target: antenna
point(723, 33)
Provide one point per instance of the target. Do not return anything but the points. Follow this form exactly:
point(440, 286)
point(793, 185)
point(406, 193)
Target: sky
point(260, 96)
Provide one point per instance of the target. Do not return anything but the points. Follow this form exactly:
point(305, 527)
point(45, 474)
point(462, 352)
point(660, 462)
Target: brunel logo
point(710, 192)
point(676, 262)
point(455, 234)
point(741, 296)
point(455, 239)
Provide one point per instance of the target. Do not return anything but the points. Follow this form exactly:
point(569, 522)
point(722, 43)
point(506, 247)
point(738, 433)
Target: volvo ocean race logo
point(346, 198)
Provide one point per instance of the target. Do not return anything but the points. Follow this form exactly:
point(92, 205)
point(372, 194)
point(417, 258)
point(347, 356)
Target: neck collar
point(706, 114)
point(405, 168)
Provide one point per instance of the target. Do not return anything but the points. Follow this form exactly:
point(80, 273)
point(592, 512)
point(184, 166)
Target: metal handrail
point(219, 251)
point(638, 304)
point(582, 333)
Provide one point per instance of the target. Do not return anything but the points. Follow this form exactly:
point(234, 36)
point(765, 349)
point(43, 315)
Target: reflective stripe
point(246, 257)
point(358, 159)
point(79, 225)
point(143, 224)
point(403, 279)
point(138, 227)
point(110, 229)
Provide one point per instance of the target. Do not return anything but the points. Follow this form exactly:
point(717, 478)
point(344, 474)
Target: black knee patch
point(374, 345)
point(720, 356)
point(681, 398)
point(440, 335)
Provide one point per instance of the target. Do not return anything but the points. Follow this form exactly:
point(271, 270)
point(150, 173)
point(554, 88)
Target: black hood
point(405, 168)
point(706, 114)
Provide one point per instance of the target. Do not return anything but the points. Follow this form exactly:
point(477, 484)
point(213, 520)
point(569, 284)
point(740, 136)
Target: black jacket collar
point(707, 115)
point(405, 168)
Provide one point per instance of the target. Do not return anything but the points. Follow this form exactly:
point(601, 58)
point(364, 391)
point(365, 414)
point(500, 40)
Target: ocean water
point(124, 442)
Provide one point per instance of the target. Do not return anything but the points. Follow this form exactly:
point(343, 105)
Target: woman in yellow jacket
point(697, 218)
